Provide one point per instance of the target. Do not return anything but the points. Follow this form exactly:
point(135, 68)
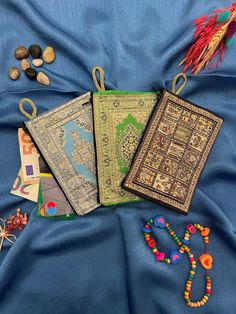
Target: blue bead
point(148, 230)
point(175, 257)
point(185, 241)
point(160, 222)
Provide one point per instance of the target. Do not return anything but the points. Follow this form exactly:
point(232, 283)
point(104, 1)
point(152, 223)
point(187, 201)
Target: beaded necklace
point(176, 256)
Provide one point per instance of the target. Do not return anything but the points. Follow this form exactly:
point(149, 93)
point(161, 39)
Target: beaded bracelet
point(176, 256)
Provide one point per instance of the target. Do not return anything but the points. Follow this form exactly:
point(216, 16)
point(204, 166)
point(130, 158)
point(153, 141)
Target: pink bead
point(191, 228)
point(160, 256)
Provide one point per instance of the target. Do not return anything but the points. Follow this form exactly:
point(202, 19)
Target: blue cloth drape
point(99, 263)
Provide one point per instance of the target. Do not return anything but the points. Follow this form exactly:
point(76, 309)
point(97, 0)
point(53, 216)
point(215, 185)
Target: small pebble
point(31, 74)
point(49, 55)
point(21, 53)
point(43, 79)
point(35, 51)
point(24, 64)
point(14, 73)
point(37, 62)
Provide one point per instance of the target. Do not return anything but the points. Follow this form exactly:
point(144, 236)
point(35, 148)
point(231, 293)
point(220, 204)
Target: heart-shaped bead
point(206, 261)
point(159, 222)
point(205, 232)
point(160, 256)
point(175, 257)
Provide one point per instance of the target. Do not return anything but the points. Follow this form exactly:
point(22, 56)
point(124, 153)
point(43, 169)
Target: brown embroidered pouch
point(173, 152)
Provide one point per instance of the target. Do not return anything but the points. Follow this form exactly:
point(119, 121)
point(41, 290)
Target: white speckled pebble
point(37, 62)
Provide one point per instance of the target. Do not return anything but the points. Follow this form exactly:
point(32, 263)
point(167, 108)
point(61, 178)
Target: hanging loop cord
point(175, 81)
point(25, 113)
point(100, 87)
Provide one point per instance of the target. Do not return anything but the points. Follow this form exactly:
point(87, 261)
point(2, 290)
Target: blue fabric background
point(99, 263)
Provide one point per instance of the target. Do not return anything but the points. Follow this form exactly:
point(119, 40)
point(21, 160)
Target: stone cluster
point(39, 58)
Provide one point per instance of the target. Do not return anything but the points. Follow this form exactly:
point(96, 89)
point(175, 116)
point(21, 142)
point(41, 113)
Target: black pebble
point(31, 74)
point(35, 51)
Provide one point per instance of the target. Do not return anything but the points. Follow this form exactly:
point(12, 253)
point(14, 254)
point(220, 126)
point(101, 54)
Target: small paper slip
point(29, 158)
point(27, 191)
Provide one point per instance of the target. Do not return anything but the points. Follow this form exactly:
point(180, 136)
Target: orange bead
point(205, 232)
point(206, 260)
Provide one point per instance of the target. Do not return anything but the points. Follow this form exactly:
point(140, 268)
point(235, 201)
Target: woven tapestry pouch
point(64, 137)
point(119, 120)
point(173, 152)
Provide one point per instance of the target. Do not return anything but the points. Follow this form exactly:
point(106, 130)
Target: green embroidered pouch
point(119, 121)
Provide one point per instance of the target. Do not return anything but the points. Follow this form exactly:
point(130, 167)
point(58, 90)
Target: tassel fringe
point(210, 40)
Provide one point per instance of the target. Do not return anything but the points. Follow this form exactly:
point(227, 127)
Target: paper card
point(29, 158)
point(27, 191)
point(54, 201)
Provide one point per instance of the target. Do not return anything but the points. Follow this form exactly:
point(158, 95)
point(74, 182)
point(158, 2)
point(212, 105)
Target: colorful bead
point(206, 260)
point(147, 230)
point(205, 232)
point(160, 256)
point(185, 241)
point(191, 228)
point(151, 243)
point(175, 256)
point(159, 222)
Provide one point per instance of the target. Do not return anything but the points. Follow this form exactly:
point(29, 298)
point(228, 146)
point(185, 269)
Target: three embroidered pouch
point(91, 169)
